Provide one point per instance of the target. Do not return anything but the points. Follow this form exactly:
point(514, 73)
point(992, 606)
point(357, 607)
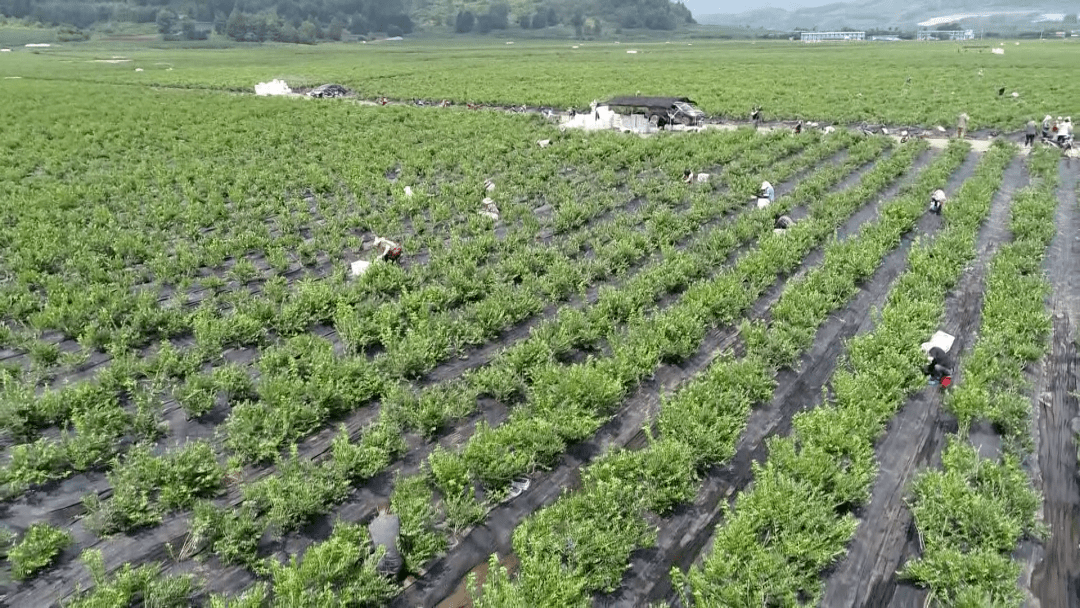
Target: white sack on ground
point(589, 122)
point(274, 87)
point(359, 267)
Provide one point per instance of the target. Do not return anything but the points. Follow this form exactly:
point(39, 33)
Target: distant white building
point(946, 35)
point(962, 16)
point(832, 36)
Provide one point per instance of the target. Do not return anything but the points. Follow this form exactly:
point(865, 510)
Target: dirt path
point(980, 142)
point(1055, 582)
point(915, 436)
point(938, 143)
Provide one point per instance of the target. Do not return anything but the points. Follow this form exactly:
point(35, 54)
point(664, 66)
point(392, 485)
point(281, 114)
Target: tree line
point(308, 21)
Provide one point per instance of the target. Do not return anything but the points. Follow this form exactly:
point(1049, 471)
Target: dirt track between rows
point(1055, 581)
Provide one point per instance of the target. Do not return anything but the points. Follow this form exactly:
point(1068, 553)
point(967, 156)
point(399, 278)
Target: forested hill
point(652, 14)
point(266, 19)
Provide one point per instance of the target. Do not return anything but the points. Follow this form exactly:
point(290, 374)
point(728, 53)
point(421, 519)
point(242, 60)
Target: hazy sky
point(709, 7)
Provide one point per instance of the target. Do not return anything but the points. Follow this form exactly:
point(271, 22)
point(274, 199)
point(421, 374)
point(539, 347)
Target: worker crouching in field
point(937, 199)
point(690, 177)
point(765, 195)
point(766, 191)
point(1029, 133)
point(961, 125)
point(384, 531)
point(387, 250)
point(783, 224)
point(939, 369)
point(1064, 130)
point(489, 209)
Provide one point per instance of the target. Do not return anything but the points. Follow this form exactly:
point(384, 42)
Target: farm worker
point(1046, 127)
point(937, 199)
point(1029, 133)
point(490, 209)
point(766, 191)
point(783, 223)
point(1065, 130)
point(798, 127)
point(961, 124)
point(755, 115)
point(387, 250)
point(939, 368)
point(688, 176)
point(384, 531)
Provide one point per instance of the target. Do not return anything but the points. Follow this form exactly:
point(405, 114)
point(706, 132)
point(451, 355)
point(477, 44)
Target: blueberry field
point(623, 389)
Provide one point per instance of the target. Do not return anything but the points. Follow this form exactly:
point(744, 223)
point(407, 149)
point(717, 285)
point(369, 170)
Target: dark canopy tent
point(652, 103)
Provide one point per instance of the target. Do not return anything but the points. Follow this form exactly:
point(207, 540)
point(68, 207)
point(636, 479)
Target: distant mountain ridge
point(885, 14)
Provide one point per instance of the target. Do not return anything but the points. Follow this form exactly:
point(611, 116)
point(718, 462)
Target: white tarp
point(998, 51)
point(274, 87)
point(38, 44)
point(636, 123)
point(763, 203)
